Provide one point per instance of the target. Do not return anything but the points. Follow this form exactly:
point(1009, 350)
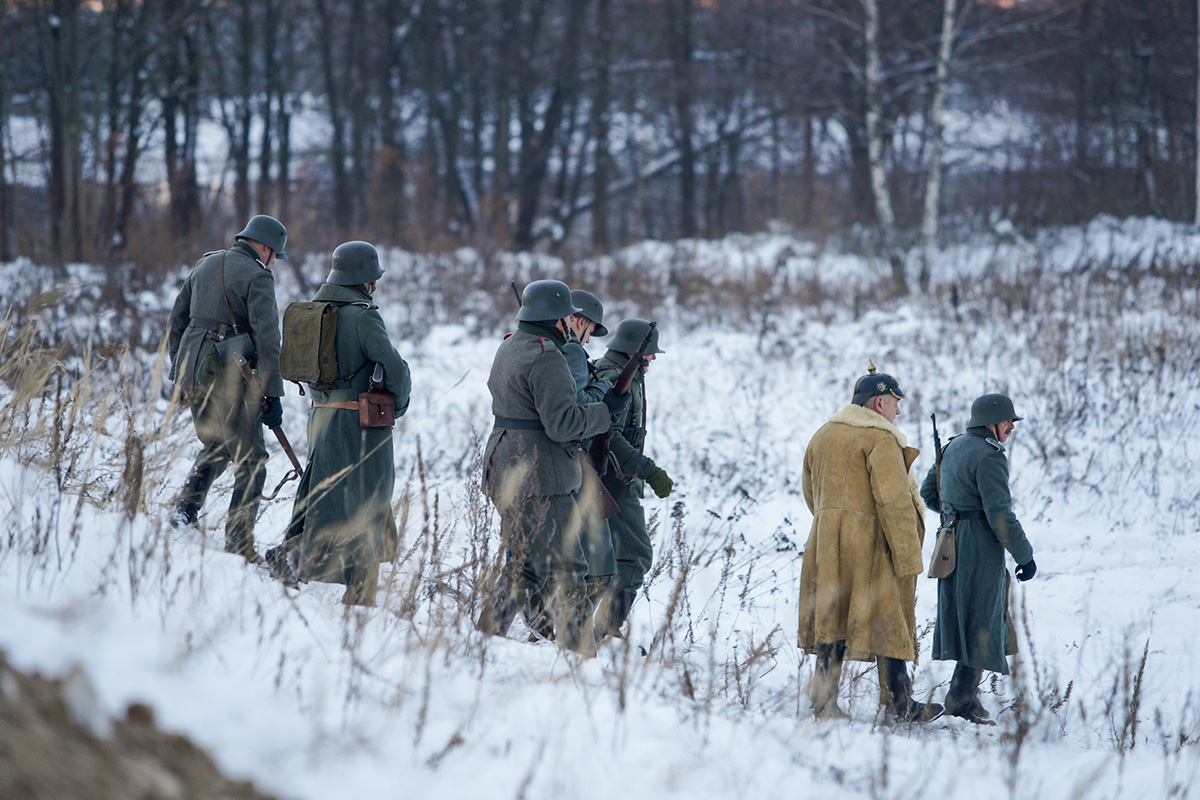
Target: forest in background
point(576, 126)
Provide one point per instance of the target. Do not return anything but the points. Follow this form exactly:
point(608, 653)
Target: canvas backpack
point(309, 350)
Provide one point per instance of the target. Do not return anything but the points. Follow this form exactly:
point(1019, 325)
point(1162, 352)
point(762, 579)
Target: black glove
point(1026, 571)
point(272, 412)
point(617, 403)
point(660, 481)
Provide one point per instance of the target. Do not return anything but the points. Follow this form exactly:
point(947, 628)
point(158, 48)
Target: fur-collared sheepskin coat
point(858, 577)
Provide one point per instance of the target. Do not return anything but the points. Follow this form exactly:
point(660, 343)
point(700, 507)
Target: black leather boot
point(962, 700)
point(618, 612)
point(187, 509)
point(899, 704)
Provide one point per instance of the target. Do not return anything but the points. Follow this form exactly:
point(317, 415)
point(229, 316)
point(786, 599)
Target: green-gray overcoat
point(531, 469)
point(530, 380)
point(250, 288)
point(343, 504)
point(974, 626)
point(597, 539)
point(625, 478)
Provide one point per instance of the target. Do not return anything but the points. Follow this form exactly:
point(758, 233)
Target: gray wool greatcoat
point(625, 479)
point(530, 380)
point(974, 626)
point(250, 287)
point(343, 508)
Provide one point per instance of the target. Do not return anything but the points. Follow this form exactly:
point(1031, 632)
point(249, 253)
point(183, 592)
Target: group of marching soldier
point(566, 468)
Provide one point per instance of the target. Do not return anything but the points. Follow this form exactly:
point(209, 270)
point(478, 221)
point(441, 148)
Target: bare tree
point(679, 39)
point(933, 176)
point(539, 131)
point(181, 95)
point(60, 25)
point(876, 132)
point(5, 190)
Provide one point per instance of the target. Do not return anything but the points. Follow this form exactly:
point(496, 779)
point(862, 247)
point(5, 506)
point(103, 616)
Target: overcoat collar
point(859, 417)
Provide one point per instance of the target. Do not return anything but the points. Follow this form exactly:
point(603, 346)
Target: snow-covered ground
point(1091, 330)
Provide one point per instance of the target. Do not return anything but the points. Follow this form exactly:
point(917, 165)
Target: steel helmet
point(629, 335)
point(266, 230)
point(546, 300)
point(355, 263)
point(590, 308)
point(991, 409)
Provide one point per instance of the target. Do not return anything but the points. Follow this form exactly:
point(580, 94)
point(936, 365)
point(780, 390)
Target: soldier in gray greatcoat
point(629, 469)
point(342, 516)
point(229, 292)
point(597, 539)
point(531, 470)
point(973, 625)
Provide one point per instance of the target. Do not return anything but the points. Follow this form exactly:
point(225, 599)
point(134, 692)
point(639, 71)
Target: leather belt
point(348, 405)
point(520, 424)
point(209, 324)
point(977, 516)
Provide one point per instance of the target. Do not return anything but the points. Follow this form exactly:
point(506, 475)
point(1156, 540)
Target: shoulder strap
point(225, 296)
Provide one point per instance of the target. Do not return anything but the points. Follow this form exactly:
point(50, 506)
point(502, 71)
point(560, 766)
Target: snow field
point(407, 700)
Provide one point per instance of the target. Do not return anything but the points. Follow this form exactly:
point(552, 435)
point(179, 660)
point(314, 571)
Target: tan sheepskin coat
point(858, 578)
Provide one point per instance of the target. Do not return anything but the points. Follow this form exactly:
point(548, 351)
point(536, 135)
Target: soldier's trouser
point(231, 435)
point(631, 545)
point(598, 550)
point(828, 675)
point(551, 589)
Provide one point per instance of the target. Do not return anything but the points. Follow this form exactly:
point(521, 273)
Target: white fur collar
point(860, 417)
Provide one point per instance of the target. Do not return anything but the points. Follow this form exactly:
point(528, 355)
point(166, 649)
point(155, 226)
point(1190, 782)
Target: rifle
point(937, 455)
point(598, 452)
point(513, 284)
point(256, 391)
point(944, 556)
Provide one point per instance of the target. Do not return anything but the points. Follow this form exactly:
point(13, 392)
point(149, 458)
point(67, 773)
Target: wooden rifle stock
point(598, 452)
point(937, 455)
point(254, 390)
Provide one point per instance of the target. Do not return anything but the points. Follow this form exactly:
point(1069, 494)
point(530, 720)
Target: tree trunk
point(679, 17)
point(884, 213)
point(933, 178)
point(603, 159)
point(283, 155)
point(5, 196)
point(240, 142)
point(537, 145)
point(269, 110)
point(181, 117)
point(342, 205)
point(65, 130)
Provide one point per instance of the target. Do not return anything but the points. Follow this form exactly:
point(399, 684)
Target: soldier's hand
point(660, 481)
point(272, 412)
point(1026, 571)
point(617, 403)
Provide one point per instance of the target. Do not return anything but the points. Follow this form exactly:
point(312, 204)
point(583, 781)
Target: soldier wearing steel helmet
point(582, 326)
point(342, 518)
point(973, 625)
point(629, 470)
point(863, 556)
point(229, 292)
point(590, 388)
point(532, 472)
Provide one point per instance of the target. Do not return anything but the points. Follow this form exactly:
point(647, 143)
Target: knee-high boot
point(823, 690)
